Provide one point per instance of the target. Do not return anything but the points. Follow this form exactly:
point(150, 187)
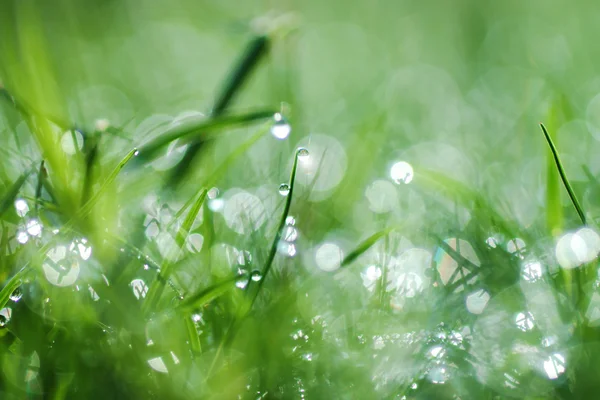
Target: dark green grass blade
point(193, 130)
point(365, 245)
point(247, 306)
point(8, 198)
point(253, 53)
point(563, 176)
point(280, 227)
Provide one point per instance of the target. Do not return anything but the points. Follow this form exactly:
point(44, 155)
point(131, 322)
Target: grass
point(124, 278)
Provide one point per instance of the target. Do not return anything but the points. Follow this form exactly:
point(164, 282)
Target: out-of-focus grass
point(423, 248)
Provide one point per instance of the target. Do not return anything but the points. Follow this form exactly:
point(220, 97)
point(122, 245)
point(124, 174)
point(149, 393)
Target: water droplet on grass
point(402, 172)
point(281, 128)
point(22, 237)
point(302, 152)
point(2, 320)
point(256, 275)
point(284, 189)
point(139, 287)
point(16, 295)
point(34, 227)
point(22, 207)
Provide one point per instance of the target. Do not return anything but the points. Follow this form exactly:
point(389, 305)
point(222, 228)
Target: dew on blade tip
point(302, 152)
point(256, 275)
point(281, 128)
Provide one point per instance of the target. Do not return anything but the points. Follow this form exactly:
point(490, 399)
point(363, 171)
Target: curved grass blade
point(156, 289)
point(247, 306)
point(563, 176)
point(280, 227)
point(191, 131)
point(9, 197)
point(365, 245)
point(253, 53)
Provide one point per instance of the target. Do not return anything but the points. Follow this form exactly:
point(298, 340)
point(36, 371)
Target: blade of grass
point(190, 131)
point(563, 176)
point(9, 197)
point(156, 288)
point(247, 305)
point(253, 53)
point(365, 245)
point(87, 207)
point(203, 297)
point(225, 166)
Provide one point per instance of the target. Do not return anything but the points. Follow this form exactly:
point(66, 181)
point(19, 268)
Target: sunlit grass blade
point(253, 53)
point(204, 129)
point(365, 245)
point(563, 176)
point(195, 345)
point(8, 198)
point(203, 297)
point(158, 285)
point(87, 207)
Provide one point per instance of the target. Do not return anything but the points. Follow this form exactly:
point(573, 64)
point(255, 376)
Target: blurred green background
point(442, 307)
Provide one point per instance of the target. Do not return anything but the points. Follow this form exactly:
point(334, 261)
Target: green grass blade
point(194, 130)
point(280, 227)
point(254, 52)
point(203, 297)
point(365, 245)
point(87, 207)
point(9, 197)
point(156, 289)
point(195, 344)
point(563, 176)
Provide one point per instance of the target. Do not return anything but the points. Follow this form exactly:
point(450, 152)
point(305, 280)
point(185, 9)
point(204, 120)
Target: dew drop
point(281, 128)
point(402, 172)
point(2, 320)
point(302, 152)
point(289, 234)
point(290, 220)
point(256, 275)
point(22, 237)
point(242, 283)
point(136, 153)
point(16, 295)
point(34, 227)
point(21, 207)
point(284, 189)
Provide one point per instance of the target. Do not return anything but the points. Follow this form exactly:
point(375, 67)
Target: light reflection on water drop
point(438, 374)
point(477, 301)
point(22, 237)
point(370, 277)
point(524, 321)
point(16, 295)
point(284, 189)
point(139, 287)
point(554, 365)
point(158, 365)
point(402, 172)
point(281, 129)
point(256, 275)
point(302, 153)
point(61, 266)
point(328, 257)
point(34, 227)
point(71, 142)
point(21, 207)
point(532, 271)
